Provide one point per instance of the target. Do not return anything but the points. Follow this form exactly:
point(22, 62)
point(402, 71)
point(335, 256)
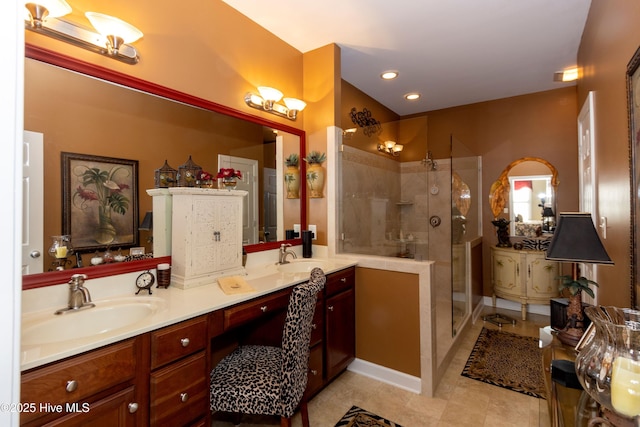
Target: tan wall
point(610, 38)
point(388, 320)
point(539, 125)
point(322, 92)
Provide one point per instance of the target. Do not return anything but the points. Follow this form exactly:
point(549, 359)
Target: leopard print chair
point(267, 380)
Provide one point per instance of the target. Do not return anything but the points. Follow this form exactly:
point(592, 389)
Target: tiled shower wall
point(385, 205)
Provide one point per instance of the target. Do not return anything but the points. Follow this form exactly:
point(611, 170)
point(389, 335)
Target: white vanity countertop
point(176, 305)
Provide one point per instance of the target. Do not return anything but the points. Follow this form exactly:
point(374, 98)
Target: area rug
point(358, 417)
point(507, 360)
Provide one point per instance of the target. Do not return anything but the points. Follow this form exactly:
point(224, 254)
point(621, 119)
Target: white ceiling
point(453, 52)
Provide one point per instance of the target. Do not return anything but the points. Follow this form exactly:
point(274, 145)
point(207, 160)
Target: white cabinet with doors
point(523, 276)
point(206, 235)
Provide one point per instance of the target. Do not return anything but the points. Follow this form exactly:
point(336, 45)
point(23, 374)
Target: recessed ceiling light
point(389, 75)
point(412, 96)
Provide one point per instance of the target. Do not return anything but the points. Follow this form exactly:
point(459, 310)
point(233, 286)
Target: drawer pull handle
point(185, 342)
point(184, 397)
point(72, 385)
point(263, 308)
point(133, 407)
point(343, 280)
point(330, 308)
point(314, 372)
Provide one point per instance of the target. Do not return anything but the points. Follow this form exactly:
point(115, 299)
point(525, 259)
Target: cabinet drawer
point(317, 327)
point(78, 378)
point(316, 374)
point(254, 309)
point(340, 281)
point(173, 342)
point(180, 392)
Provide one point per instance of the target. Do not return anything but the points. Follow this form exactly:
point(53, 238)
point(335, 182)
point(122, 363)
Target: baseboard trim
point(386, 375)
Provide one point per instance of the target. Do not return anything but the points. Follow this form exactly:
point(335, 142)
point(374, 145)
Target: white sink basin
point(302, 265)
point(105, 317)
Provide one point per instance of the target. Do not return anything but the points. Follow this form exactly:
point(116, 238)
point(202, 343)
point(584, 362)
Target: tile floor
point(459, 401)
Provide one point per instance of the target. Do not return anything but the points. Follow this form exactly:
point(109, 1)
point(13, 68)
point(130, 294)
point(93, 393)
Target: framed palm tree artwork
point(99, 201)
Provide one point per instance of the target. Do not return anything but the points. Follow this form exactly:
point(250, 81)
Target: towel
point(234, 285)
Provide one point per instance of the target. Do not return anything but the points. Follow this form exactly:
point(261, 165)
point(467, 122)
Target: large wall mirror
point(526, 192)
point(85, 109)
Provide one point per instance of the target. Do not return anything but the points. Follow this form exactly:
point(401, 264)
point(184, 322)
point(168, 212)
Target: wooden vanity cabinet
point(179, 378)
point(524, 276)
point(97, 388)
point(315, 378)
point(340, 320)
point(161, 378)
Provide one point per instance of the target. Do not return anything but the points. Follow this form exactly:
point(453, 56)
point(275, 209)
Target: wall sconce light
point(111, 39)
point(348, 133)
point(268, 101)
point(568, 75)
point(390, 147)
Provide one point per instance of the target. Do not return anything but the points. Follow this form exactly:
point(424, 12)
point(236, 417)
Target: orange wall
point(204, 48)
point(388, 319)
point(322, 93)
point(610, 38)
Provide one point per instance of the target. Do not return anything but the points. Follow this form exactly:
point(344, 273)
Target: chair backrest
point(296, 338)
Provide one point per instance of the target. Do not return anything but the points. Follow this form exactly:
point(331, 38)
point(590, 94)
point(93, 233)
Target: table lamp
point(576, 240)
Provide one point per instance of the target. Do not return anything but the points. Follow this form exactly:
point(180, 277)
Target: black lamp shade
point(576, 240)
point(147, 222)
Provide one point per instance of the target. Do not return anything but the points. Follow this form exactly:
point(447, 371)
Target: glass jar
point(61, 247)
point(608, 363)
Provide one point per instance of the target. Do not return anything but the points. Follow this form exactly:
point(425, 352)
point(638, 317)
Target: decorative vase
point(106, 232)
point(292, 181)
point(608, 363)
point(206, 183)
point(315, 180)
point(227, 183)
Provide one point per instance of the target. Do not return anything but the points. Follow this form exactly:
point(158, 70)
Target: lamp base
point(570, 336)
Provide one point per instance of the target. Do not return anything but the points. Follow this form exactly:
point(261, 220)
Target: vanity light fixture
point(390, 147)
point(111, 39)
point(268, 99)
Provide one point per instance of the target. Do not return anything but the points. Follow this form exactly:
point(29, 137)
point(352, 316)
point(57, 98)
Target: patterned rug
point(358, 417)
point(507, 360)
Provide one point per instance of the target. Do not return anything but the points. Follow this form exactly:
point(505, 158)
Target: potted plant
point(292, 176)
point(228, 178)
point(315, 173)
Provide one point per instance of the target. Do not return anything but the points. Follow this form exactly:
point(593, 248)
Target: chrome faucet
point(282, 259)
point(79, 297)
